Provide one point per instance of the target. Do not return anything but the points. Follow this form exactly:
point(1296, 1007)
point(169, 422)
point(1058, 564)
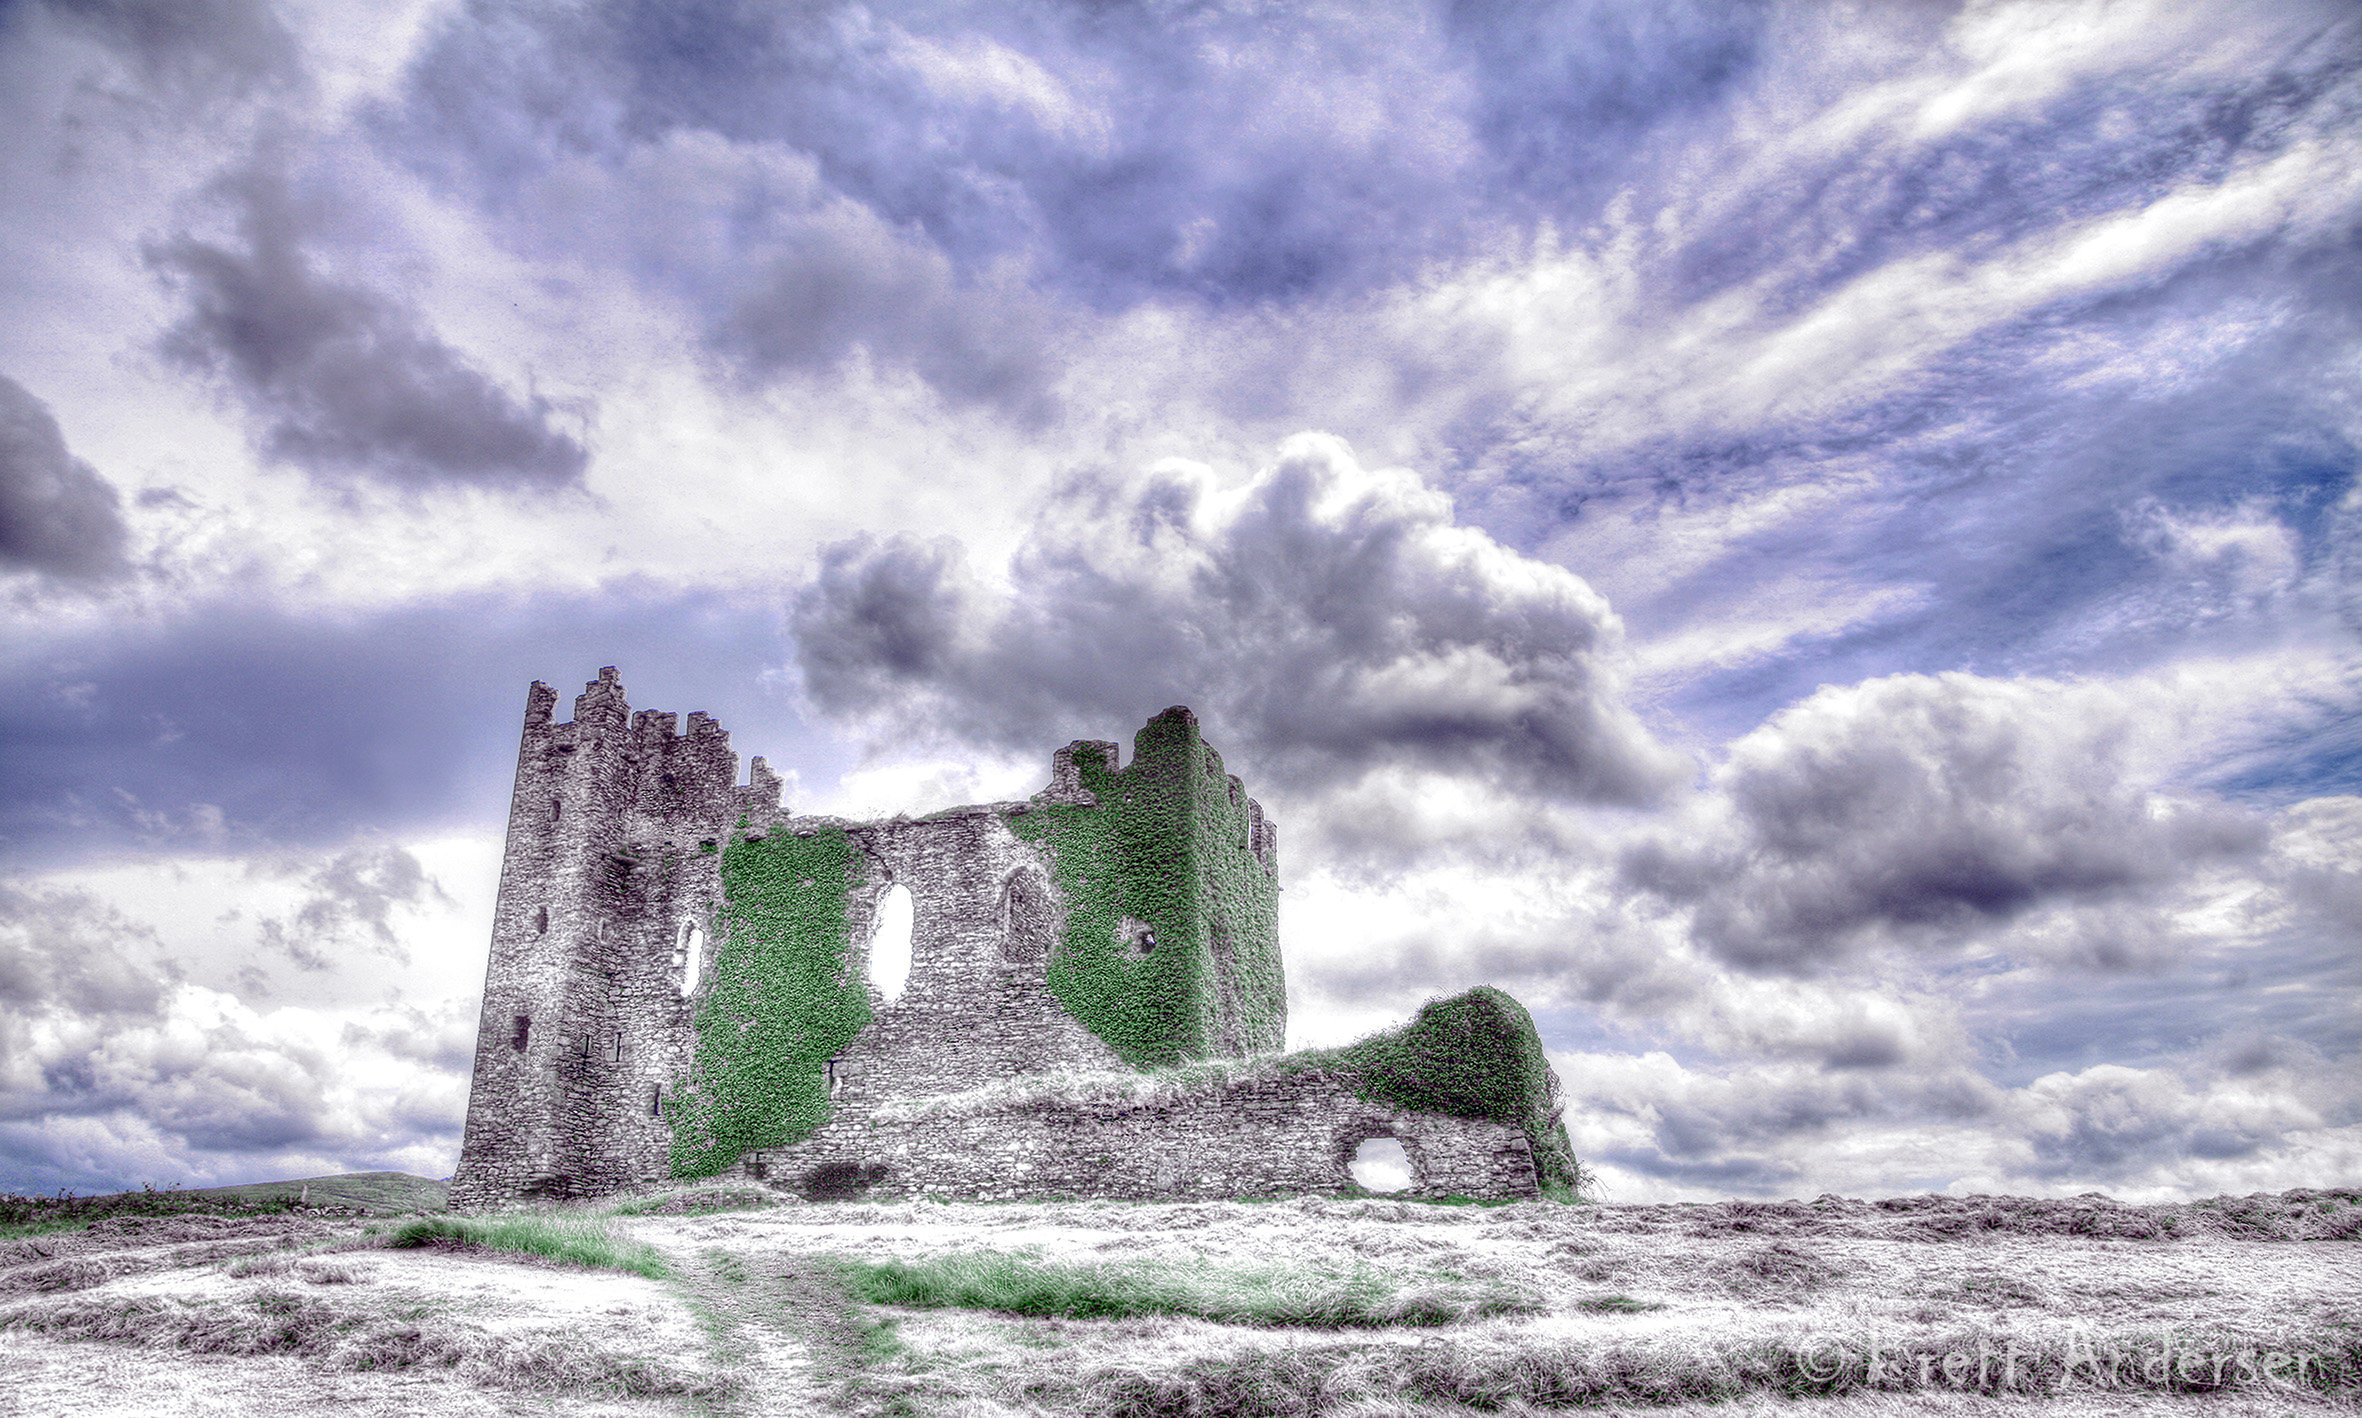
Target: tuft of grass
point(571, 1241)
point(1362, 1297)
point(699, 1200)
point(1617, 1305)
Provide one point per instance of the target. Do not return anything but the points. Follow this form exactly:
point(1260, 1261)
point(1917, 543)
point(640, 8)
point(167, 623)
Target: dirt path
point(781, 1323)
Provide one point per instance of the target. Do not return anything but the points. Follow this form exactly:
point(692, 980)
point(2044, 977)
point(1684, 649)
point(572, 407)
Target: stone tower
point(608, 886)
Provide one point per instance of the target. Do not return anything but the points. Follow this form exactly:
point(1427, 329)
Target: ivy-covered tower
point(1171, 878)
point(607, 886)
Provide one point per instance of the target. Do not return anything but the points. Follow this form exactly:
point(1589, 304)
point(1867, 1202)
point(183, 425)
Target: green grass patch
point(1364, 1297)
point(589, 1243)
point(1616, 1305)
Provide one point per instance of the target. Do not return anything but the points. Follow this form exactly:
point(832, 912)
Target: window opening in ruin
point(615, 1048)
point(889, 944)
point(1136, 935)
point(692, 956)
point(656, 1101)
point(541, 921)
point(524, 1028)
point(1027, 919)
point(1380, 1165)
point(836, 1077)
point(557, 809)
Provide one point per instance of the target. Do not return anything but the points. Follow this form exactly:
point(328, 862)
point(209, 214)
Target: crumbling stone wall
point(1252, 1137)
point(977, 1006)
point(1123, 918)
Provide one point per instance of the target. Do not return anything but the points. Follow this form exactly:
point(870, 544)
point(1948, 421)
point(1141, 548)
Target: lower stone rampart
point(1289, 1134)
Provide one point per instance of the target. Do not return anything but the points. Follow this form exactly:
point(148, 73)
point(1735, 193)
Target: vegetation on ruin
point(1475, 1055)
point(1164, 838)
point(1357, 1296)
point(780, 1001)
point(570, 1240)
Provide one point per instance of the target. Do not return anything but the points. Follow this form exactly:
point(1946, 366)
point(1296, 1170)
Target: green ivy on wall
point(782, 1000)
point(1167, 847)
point(1475, 1055)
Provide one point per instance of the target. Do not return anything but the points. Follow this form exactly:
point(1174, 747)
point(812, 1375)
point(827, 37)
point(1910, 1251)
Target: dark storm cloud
point(58, 517)
point(1218, 151)
point(834, 282)
point(229, 43)
point(1743, 1130)
point(343, 380)
point(231, 727)
point(1324, 622)
point(1918, 808)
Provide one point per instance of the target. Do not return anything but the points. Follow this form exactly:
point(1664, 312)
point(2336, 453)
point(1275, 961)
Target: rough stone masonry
point(681, 984)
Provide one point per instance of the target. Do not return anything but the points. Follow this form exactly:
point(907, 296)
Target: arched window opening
point(889, 944)
point(1380, 1165)
point(1027, 918)
point(692, 956)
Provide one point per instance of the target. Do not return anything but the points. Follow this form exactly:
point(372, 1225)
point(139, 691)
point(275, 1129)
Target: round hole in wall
point(889, 944)
point(1380, 1165)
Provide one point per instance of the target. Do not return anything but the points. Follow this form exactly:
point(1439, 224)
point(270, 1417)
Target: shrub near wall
point(780, 1001)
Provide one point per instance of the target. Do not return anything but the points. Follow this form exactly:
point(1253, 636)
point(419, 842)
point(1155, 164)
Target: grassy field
point(725, 1299)
point(362, 1193)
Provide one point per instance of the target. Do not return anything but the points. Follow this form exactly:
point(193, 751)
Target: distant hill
point(382, 1193)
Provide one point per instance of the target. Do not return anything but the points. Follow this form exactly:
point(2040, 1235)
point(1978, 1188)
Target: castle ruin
point(680, 986)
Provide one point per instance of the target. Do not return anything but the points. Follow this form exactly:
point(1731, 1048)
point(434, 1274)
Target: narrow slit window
point(615, 1048)
point(524, 1031)
point(557, 809)
point(656, 1101)
point(541, 921)
point(692, 956)
point(890, 943)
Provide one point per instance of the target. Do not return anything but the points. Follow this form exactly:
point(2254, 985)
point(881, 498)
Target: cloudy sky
point(1818, 546)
